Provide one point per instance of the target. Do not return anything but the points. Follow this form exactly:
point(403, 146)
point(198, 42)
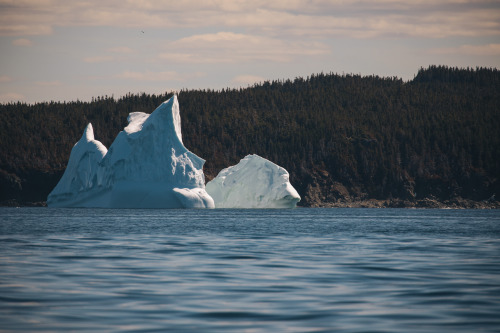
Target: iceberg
point(254, 182)
point(147, 166)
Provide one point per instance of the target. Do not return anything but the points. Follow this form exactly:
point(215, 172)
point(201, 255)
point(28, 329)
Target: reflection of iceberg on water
point(253, 183)
point(147, 166)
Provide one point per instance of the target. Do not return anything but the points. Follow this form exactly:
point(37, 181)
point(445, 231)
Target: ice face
point(150, 150)
point(147, 166)
point(254, 182)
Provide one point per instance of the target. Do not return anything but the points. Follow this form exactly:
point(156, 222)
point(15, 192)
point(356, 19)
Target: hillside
point(345, 139)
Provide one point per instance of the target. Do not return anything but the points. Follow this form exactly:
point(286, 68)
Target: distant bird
point(142, 31)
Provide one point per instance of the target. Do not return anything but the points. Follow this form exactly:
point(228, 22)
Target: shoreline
point(368, 203)
point(421, 204)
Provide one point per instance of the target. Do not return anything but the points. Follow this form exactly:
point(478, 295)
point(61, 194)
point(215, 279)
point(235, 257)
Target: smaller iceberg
point(254, 182)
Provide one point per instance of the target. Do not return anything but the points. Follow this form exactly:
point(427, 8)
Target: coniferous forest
point(345, 139)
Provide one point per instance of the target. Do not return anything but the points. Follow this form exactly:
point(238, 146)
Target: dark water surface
point(302, 270)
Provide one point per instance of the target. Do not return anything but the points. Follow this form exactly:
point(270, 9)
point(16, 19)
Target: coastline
point(458, 203)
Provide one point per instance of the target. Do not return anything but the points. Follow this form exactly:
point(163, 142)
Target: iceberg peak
point(167, 115)
point(89, 133)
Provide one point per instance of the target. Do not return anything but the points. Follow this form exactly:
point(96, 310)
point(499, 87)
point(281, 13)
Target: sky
point(64, 50)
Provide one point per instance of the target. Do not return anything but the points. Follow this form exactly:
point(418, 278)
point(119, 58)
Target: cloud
point(158, 76)
point(11, 97)
point(48, 83)
point(116, 51)
point(229, 47)
point(5, 78)
point(476, 50)
point(313, 18)
point(122, 49)
point(98, 59)
point(22, 42)
point(247, 80)
point(23, 29)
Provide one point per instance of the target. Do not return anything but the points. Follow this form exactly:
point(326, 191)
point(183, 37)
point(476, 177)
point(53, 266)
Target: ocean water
point(301, 270)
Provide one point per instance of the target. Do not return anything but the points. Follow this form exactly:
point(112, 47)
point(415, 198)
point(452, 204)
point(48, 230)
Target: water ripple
point(303, 270)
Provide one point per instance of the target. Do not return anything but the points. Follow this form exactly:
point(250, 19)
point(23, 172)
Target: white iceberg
point(147, 166)
point(254, 182)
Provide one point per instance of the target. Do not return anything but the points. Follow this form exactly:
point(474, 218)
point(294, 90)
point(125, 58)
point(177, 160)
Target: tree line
point(339, 136)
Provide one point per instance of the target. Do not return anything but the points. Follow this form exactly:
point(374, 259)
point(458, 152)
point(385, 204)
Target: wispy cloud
point(120, 49)
point(23, 28)
point(5, 78)
point(22, 42)
point(97, 59)
point(229, 47)
point(110, 54)
point(157, 76)
point(346, 18)
point(476, 50)
point(55, 83)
